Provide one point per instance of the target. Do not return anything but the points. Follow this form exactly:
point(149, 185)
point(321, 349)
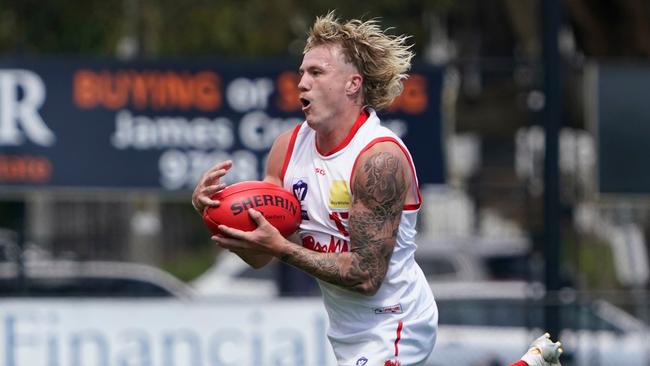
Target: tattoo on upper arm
point(380, 191)
point(382, 187)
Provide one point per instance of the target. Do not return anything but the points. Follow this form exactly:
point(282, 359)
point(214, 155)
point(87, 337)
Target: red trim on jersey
point(519, 363)
point(287, 156)
point(411, 206)
point(363, 117)
point(399, 336)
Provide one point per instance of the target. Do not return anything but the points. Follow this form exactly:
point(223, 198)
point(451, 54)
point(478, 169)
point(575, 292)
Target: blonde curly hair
point(383, 60)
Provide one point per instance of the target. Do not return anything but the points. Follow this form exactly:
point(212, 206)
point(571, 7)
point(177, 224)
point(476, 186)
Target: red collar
point(363, 117)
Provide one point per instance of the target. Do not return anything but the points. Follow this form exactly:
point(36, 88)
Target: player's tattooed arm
point(379, 190)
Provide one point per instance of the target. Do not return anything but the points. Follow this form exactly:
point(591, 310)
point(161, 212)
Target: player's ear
point(353, 84)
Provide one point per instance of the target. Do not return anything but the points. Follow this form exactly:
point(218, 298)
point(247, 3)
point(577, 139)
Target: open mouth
point(305, 103)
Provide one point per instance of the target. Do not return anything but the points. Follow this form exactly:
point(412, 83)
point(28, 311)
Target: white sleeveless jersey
point(323, 185)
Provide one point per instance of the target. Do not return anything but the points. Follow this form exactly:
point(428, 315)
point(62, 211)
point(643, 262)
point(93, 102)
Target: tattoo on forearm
point(325, 266)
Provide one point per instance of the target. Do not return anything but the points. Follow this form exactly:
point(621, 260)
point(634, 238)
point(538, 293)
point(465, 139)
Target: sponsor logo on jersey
point(340, 219)
point(393, 309)
point(392, 363)
point(334, 246)
point(340, 197)
point(362, 361)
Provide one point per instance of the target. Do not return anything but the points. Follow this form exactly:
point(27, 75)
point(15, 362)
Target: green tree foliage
point(58, 26)
point(250, 28)
point(255, 28)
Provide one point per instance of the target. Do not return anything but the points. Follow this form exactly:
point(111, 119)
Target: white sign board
point(165, 333)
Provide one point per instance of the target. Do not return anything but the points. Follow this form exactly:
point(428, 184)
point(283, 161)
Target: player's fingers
point(217, 171)
point(257, 217)
point(229, 243)
point(215, 174)
point(207, 201)
point(224, 238)
point(226, 165)
point(211, 190)
point(233, 233)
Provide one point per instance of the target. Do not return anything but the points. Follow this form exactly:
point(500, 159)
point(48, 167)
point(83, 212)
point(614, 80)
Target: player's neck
point(328, 139)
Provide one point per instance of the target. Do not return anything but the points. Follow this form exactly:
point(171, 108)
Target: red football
point(279, 206)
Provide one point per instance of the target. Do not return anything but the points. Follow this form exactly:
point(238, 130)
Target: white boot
point(543, 352)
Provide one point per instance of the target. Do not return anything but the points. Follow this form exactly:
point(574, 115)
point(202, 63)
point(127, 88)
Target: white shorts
point(408, 341)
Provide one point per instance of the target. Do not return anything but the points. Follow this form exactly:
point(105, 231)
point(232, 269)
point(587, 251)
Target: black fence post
point(552, 116)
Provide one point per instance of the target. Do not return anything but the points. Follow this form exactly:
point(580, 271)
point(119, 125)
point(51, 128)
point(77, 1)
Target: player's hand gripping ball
point(279, 206)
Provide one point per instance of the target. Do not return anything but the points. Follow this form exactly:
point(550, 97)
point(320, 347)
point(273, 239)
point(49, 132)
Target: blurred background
point(528, 121)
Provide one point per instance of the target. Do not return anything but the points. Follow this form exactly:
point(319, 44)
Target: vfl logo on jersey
point(362, 361)
point(300, 191)
point(340, 197)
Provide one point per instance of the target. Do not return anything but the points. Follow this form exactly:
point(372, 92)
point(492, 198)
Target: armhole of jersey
point(287, 156)
point(412, 206)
